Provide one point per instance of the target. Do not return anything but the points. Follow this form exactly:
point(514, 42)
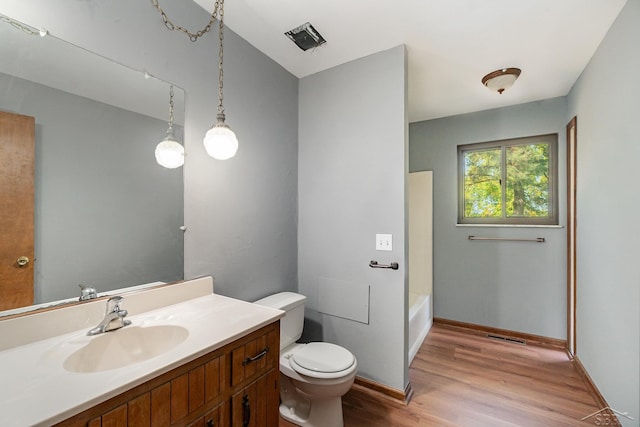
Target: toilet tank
point(292, 323)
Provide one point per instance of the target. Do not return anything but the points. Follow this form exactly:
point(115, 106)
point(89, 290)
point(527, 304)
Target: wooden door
point(17, 139)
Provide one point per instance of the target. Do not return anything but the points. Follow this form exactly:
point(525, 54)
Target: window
point(509, 182)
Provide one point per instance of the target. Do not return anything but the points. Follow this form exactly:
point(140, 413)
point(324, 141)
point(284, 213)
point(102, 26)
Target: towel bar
point(374, 264)
point(509, 239)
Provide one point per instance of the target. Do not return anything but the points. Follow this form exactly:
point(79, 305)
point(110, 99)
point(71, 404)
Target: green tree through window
point(510, 182)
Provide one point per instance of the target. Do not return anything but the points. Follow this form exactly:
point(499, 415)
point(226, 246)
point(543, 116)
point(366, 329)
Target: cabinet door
point(213, 418)
point(257, 404)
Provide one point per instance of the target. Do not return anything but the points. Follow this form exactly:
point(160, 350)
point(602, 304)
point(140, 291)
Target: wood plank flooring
point(463, 379)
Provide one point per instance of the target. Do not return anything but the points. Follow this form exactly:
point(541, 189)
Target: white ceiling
point(451, 44)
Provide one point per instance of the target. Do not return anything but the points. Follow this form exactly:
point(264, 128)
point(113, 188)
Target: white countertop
point(37, 390)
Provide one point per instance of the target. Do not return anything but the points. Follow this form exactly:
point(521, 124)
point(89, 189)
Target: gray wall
point(240, 213)
point(106, 214)
point(608, 282)
point(352, 165)
point(518, 286)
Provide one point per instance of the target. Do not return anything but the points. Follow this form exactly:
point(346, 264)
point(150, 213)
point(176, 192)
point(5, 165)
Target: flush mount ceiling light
point(169, 152)
point(305, 36)
point(220, 141)
point(502, 79)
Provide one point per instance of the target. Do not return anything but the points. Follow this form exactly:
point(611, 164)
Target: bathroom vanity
point(189, 358)
point(239, 380)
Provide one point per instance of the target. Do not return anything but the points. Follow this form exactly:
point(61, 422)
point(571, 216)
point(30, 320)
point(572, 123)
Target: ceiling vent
point(306, 37)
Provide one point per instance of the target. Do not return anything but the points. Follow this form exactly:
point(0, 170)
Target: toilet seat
point(322, 360)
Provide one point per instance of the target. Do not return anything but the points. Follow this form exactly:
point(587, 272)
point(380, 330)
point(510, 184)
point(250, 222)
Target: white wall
point(240, 213)
point(352, 166)
point(511, 285)
point(606, 101)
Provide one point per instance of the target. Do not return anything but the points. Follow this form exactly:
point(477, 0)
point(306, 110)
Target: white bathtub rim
point(420, 323)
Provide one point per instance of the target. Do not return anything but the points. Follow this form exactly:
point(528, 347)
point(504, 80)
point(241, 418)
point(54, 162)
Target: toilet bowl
point(313, 376)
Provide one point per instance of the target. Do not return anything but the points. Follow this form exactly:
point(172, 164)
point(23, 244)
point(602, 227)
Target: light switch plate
point(384, 242)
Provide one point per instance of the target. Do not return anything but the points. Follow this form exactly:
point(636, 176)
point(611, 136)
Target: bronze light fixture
point(501, 79)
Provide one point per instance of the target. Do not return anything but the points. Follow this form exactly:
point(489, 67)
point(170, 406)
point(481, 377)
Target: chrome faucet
point(87, 293)
point(114, 317)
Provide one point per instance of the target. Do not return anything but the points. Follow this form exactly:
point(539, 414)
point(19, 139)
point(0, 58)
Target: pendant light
point(169, 152)
point(220, 141)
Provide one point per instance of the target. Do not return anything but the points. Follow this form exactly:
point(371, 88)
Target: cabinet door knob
point(22, 261)
point(210, 423)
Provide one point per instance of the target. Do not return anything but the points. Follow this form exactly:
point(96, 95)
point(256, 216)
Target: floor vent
point(507, 339)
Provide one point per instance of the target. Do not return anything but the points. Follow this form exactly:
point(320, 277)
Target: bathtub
point(420, 321)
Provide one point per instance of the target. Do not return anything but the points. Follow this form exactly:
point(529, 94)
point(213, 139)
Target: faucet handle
point(113, 303)
point(87, 293)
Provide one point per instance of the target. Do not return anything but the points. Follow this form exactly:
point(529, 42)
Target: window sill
point(511, 225)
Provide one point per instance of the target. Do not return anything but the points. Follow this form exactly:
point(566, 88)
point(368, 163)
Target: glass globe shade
point(501, 83)
point(221, 142)
point(170, 153)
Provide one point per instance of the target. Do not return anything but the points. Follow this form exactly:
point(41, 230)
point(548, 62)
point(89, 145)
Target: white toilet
point(314, 376)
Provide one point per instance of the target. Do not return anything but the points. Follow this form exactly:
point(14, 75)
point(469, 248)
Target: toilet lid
point(322, 357)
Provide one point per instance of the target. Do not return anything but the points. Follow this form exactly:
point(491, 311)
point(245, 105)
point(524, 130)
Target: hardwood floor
point(463, 379)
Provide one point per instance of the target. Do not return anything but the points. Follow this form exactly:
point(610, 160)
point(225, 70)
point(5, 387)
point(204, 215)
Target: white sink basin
point(131, 344)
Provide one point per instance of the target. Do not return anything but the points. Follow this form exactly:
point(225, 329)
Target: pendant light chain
point(220, 54)
point(192, 36)
point(218, 10)
point(171, 106)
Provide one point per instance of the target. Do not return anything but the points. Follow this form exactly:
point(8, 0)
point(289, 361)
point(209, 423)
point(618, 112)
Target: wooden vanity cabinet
point(252, 406)
point(234, 386)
